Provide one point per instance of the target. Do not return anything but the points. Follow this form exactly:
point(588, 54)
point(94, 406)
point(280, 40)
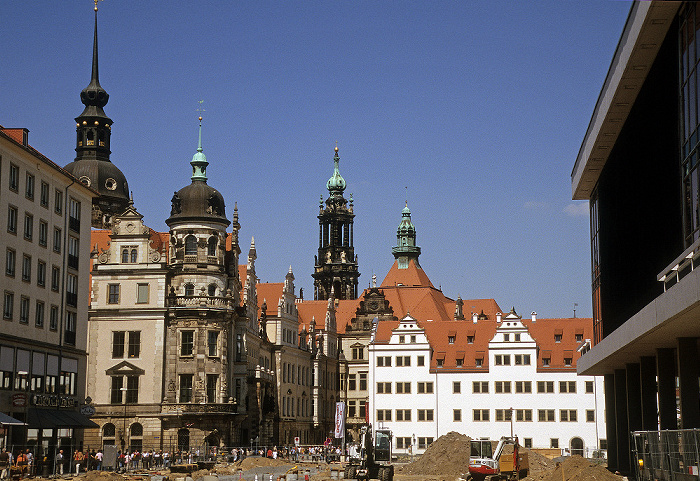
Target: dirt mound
point(102, 476)
point(576, 468)
point(447, 456)
point(255, 462)
point(538, 462)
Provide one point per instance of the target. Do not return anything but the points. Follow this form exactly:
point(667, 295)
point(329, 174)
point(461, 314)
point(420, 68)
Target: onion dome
point(406, 248)
point(336, 184)
point(198, 201)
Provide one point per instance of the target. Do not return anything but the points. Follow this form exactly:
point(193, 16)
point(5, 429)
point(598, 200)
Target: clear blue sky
point(479, 108)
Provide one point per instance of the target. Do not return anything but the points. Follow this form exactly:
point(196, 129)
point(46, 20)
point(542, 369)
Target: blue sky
point(473, 111)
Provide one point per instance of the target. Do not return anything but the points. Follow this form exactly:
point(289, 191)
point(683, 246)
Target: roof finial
point(96, 3)
point(199, 160)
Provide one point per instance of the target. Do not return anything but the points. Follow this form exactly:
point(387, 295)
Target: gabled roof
point(270, 293)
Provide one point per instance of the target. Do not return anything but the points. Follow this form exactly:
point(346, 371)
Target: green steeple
point(199, 160)
point(406, 248)
point(336, 184)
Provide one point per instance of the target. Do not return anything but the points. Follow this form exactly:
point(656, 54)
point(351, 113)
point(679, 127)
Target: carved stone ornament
point(103, 258)
point(171, 386)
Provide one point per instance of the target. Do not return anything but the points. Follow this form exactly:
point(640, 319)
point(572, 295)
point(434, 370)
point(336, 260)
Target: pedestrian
point(59, 462)
point(4, 463)
point(78, 459)
point(98, 459)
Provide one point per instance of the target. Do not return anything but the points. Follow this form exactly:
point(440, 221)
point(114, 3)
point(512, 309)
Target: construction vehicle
point(487, 464)
point(373, 458)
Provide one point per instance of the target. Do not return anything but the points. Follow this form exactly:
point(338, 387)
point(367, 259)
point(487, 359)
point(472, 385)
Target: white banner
point(339, 420)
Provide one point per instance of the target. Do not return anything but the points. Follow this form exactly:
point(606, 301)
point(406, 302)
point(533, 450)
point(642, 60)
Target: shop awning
point(56, 418)
point(6, 420)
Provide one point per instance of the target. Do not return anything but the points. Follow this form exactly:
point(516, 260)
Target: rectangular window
point(589, 387)
point(567, 361)
point(456, 415)
point(73, 252)
point(66, 382)
point(363, 381)
point(115, 390)
point(545, 415)
point(383, 388)
point(523, 415)
point(44, 194)
point(567, 386)
point(502, 387)
point(545, 361)
point(402, 339)
point(53, 318)
point(185, 387)
point(142, 294)
point(352, 382)
point(384, 415)
point(504, 414)
point(363, 407)
point(12, 220)
point(43, 233)
point(420, 361)
point(451, 339)
point(523, 387)
point(212, 380)
point(187, 343)
point(132, 389)
point(24, 310)
point(423, 443)
point(352, 409)
point(384, 361)
point(567, 415)
point(480, 387)
point(57, 240)
point(358, 353)
point(590, 416)
point(425, 415)
point(72, 290)
point(545, 386)
point(113, 294)
point(557, 338)
point(29, 187)
point(26, 268)
point(41, 274)
point(134, 344)
point(554, 443)
point(8, 305)
point(14, 177)
point(403, 443)
point(74, 215)
point(403, 414)
point(118, 344)
point(58, 202)
point(403, 388)
point(39, 314)
point(10, 261)
point(522, 359)
point(55, 278)
point(28, 227)
point(527, 443)
point(506, 337)
point(480, 414)
point(213, 345)
point(456, 387)
point(479, 362)
point(71, 321)
point(425, 387)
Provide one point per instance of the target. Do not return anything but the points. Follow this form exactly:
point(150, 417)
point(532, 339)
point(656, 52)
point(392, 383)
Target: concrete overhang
point(674, 314)
point(646, 27)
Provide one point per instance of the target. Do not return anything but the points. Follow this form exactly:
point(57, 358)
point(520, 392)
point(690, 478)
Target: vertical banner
point(339, 420)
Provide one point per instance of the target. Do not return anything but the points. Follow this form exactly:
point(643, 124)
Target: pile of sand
point(575, 468)
point(255, 462)
point(105, 476)
point(538, 462)
point(447, 456)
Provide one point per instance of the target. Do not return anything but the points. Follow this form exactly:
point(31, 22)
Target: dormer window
point(129, 255)
point(567, 361)
point(450, 339)
point(579, 337)
point(413, 339)
point(470, 339)
point(189, 289)
point(545, 361)
point(479, 362)
point(402, 339)
point(557, 338)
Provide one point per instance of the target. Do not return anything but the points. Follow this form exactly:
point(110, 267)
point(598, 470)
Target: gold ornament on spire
point(96, 3)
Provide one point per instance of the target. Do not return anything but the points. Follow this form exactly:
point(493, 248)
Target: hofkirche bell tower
point(335, 266)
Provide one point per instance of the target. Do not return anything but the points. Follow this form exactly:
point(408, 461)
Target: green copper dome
point(406, 227)
point(199, 160)
point(336, 184)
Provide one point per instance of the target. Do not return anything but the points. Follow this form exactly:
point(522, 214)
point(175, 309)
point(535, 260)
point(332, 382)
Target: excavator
point(373, 459)
point(486, 464)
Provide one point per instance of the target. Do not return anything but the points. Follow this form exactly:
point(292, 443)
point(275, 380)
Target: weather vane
point(200, 110)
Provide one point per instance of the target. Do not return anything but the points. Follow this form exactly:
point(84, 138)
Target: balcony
point(200, 301)
point(683, 265)
point(183, 409)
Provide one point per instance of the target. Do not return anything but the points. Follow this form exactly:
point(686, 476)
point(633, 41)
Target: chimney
point(534, 316)
point(498, 317)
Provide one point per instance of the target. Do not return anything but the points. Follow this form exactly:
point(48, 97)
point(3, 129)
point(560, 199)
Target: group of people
point(151, 459)
point(21, 463)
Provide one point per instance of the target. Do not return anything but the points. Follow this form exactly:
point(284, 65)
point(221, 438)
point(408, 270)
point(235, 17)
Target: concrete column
point(688, 371)
point(622, 427)
point(666, 369)
point(634, 397)
point(647, 377)
point(610, 421)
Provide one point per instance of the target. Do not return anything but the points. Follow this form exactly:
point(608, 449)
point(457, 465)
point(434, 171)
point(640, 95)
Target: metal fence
point(666, 455)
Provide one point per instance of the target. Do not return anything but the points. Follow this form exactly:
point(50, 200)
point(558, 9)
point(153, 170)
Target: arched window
point(190, 245)
point(189, 289)
point(212, 290)
point(125, 256)
point(211, 246)
point(134, 255)
point(136, 437)
point(108, 434)
point(136, 429)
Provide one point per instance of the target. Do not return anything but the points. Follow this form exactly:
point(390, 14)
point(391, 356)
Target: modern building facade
point(45, 219)
point(637, 167)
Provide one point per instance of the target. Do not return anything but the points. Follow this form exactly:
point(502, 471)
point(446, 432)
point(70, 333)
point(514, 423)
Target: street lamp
point(124, 390)
point(511, 422)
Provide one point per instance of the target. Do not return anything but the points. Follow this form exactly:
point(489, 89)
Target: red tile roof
point(411, 276)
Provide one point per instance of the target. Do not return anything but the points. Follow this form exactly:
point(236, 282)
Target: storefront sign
point(53, 401)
